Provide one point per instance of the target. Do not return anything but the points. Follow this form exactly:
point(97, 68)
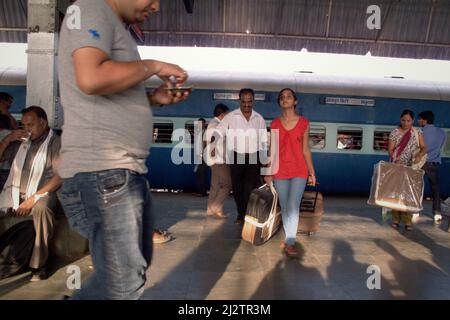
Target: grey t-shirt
point(101, 132)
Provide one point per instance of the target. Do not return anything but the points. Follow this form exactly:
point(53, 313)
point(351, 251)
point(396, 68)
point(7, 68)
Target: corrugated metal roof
point(410, 28)
point(13, 14)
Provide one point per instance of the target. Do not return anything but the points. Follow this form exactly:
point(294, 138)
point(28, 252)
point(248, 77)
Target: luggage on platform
point(263, 217)
point(311, 212)
point(397, 187)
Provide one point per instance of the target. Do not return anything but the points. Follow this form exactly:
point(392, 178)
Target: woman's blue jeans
point(290, 192)
point(112, 209)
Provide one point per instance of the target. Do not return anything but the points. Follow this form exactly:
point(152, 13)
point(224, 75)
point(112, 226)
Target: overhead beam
point(189, 5)
point(430, 20)
point(7, 29)
point(286, 36)
point(41, 55)
point(330, 6)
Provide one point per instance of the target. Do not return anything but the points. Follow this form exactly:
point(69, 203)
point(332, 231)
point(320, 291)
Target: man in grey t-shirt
point(106, 138)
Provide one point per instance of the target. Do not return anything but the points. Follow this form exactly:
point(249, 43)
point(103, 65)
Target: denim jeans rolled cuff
point(290, 193)
point(112, 209)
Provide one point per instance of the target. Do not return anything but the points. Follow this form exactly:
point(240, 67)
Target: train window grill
point(162, 132)
point(381, 140)
point(447, 143)
point(317, 135)
point(190, 127)
point(349, 138)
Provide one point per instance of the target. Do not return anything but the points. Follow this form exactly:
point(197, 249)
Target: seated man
point(32, 182)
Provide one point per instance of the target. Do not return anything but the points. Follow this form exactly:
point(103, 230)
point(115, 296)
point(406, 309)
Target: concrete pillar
point(42, 84)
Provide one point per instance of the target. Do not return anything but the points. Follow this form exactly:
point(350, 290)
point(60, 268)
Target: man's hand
point(25, 207)
point(16, 135)
point(166, 71)
point(162, 95)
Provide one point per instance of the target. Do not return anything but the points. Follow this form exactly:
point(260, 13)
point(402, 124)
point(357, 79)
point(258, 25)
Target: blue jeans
point(112, 209)
point(290, 192)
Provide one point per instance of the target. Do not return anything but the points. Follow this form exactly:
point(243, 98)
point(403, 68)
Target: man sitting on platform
point(32, 182)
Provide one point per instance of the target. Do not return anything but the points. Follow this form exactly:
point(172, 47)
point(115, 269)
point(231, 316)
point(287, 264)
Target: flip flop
point(164, 237)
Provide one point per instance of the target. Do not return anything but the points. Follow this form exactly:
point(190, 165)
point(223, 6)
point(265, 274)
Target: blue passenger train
point(350, 120)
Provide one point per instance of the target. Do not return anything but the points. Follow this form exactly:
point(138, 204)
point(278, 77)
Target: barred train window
point(317, 136)
point(190, 127)
point(447, 143)
point(162, 132)
point(381, 139)
point(349, 138)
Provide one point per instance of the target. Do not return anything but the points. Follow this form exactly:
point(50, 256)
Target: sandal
point(291, 251)
point(162, 232)
point(395, 225)
point(408, 227)
point(162, 237)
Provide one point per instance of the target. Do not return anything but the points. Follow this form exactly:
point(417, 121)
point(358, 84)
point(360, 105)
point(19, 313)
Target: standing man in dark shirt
point(434, 140)
point(33, 171)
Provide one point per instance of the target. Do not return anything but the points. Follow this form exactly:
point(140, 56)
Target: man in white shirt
point(246, 136)
point(220, 171)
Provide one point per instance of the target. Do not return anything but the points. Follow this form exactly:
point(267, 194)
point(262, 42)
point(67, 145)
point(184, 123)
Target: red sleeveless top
point(292, 163)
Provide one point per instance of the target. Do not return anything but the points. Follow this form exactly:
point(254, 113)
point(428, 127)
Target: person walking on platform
point(220, 171)
point(105, 192)
point(295, 165)
point(201, 169)
point(246, 136)
point(434, 138)
point(404, 143)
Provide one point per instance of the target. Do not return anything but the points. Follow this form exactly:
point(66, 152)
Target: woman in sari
point(406, 146)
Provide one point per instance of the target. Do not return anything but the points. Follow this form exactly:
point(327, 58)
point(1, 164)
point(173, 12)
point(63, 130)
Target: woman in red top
point(294, 162)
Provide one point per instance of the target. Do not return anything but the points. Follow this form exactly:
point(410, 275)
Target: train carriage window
point(162, 132)
point(317, 136)
point(189, 127)
point(447, 143)
point(349, 138)
point(381, 139)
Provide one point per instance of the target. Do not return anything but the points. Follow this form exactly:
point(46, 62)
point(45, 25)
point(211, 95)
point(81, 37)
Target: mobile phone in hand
point(175, 90)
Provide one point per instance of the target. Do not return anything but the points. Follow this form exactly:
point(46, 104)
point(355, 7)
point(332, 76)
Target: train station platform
point(208, 260)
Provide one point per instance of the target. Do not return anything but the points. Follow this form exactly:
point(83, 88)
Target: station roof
point(417, 29)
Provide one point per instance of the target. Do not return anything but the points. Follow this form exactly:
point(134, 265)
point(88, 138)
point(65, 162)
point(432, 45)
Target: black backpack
point(16, 247)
